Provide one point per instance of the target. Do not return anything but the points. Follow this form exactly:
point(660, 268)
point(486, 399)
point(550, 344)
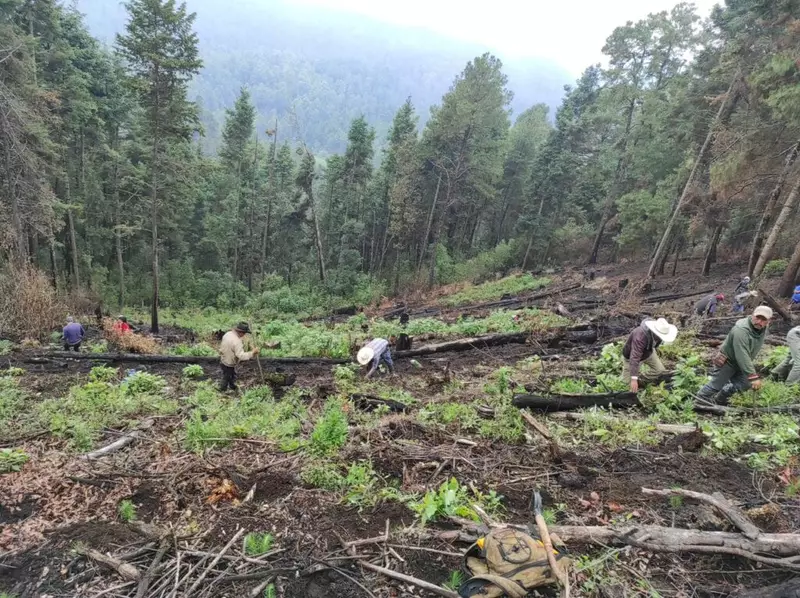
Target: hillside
point(331, 67)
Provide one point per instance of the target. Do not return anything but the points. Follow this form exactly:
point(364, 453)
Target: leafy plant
point(97, 346)
point(12, 459)
point(453, 499)
point(127, 511)
point(5, 346)
point(331, 429)
point(193, 371)
point(256, 544)
point(454, 581)
point(103, 374)
point(270, 591)
point(771, 394)
point(775, 268)
point(143, 383)
point(569, 386)
point(14, 372)
point(610, 360)
point(462, 414)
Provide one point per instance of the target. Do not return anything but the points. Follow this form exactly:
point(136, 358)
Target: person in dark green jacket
point(736, 371)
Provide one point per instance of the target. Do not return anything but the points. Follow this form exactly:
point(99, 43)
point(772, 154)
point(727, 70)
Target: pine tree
point(161, 51)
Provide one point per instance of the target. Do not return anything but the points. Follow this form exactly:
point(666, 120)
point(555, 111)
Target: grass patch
point(16, 417)
point(512, 285)
point(126, 511)
point(216, 420)
point(198, 350)
point(330, 431)
point(89, 408)
point(256, 544)
point(358, 485)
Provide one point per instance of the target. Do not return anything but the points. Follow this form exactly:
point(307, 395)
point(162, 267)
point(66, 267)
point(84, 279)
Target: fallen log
point(564, 402)
point(121, 443)
point(370, 403)
point(466, 344)
point(774, 304)
point(125, 570)
point(674, 296)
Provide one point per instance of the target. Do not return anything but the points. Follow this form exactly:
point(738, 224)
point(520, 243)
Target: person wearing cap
point(641, 348)
point(375, 352)
point(743, 286)
point(231, 352)
point(789, 370)
point(73, 334)
point(736, 371)
point(707, 306)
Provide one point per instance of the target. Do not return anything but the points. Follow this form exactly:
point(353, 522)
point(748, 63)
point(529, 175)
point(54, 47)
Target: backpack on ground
point(507, 562)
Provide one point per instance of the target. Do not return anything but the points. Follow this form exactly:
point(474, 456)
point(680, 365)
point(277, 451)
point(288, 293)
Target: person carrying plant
point(707, 306)
point(641, 348)
point(374, 352)
point(789, 369)
point(231, 352)
point(736, 371)
point(73, 334)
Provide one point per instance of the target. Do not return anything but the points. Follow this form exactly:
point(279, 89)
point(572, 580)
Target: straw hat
point(662, 329)
point(365, 355)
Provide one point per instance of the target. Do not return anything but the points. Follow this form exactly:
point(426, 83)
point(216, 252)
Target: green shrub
point(5, 347)
point(103, 374)
point(775, 268)
point(610, 360)
point(330, 431)
point(256, 544)
point(97, 347)
point(143, 383)
point(454, 499)
point(12, 459)
point(127, 511)
point(193, 371)
point(14, 372)
point(512, 285)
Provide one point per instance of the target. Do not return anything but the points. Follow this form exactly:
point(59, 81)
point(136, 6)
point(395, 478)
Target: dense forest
point(684, 144)
point(315, 69)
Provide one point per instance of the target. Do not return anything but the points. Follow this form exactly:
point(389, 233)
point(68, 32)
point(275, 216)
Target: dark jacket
point(640, 345)
point(706, 305)
point(742, 344)
point(73, 333)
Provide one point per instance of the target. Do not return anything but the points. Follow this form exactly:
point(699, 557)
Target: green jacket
point(743, 344)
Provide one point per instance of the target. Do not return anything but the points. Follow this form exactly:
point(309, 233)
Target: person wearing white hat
point(375, 352)
point(736, 371)
point(641, 348)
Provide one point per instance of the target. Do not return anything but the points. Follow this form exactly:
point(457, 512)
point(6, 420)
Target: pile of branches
point(129, 342)
point(175, 566)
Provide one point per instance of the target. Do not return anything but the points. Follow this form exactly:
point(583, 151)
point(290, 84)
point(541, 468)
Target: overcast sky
point(569, 32)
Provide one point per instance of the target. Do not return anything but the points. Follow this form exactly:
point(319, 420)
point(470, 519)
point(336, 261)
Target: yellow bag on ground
point(507, 562)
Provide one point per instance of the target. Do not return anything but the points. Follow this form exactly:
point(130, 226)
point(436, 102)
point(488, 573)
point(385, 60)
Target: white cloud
point(569, 32)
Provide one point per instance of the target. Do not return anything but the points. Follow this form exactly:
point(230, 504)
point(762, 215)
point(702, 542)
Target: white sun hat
point(662, 329)
point(365, 355)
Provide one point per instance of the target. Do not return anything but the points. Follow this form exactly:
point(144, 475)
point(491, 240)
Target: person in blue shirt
point(73, 335)
point(796, 295)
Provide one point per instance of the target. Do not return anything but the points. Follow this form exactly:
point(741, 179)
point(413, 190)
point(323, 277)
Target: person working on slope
point(73, 334)
point(789, 370)
point(641, 348)
point(375, 352)
point(796, 295)
point(736, 371)
point(743, 286)
point(231, 352)
point(707, 306)
point(121, 325)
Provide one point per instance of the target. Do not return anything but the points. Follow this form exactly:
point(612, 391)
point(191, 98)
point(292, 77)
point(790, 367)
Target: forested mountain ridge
point(314, 69)
point(684, 144)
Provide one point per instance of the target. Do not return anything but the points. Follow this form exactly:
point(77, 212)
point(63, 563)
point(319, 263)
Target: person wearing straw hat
point(641, 348)
point(736, 371)
point(375, 352)
point(231, 352)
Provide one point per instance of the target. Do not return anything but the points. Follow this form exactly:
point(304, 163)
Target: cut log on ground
point(466, 344)
point(370, 403)
point(121, 442)
point(675, 296)
point(775, 304)
point(569, 402)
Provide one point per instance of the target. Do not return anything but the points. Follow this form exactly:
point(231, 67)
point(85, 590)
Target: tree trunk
point(16, 216)
point(317, 237)
point(777, 228)
point(430, 223)
point(272, 196)
point(724, 112)
point(73, 249)
point(527, 252)
point(769, 209)
point(154, 214)
point(677, 256)
point(711, 252)
point(789, 280)
point(53, 270)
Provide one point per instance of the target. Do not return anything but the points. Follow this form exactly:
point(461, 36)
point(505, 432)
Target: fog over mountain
point(315, 69)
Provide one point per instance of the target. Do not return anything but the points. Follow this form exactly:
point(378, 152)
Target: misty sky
point(568, 32)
